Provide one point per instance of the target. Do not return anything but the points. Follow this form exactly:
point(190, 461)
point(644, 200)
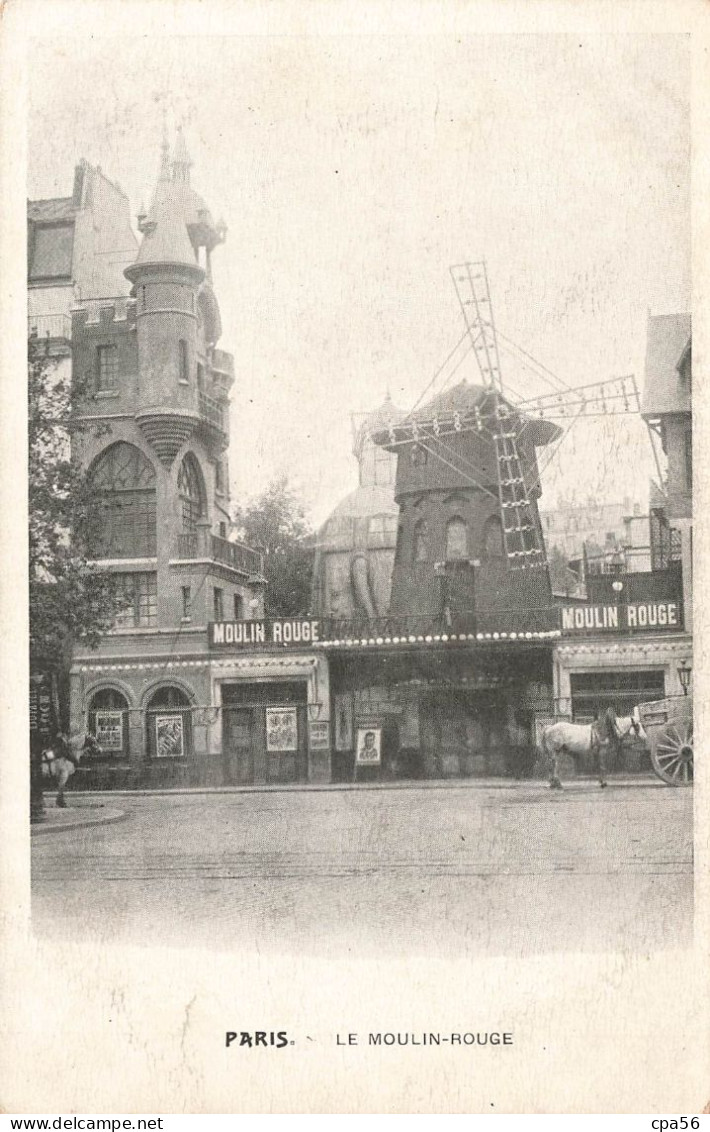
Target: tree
point(70, 600)
point(276, 524)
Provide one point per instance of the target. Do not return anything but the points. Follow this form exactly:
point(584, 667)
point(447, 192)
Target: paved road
point(501, 869)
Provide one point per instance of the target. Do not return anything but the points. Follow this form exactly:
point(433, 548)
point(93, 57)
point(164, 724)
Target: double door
point(245, 755)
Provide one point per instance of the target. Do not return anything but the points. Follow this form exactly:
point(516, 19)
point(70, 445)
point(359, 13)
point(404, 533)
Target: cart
point(668, 724)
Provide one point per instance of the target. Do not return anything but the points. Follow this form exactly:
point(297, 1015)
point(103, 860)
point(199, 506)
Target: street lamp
point(684, 671)
point(314, 710)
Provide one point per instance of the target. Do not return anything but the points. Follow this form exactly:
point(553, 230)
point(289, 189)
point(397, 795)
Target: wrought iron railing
point(236, 555)
point(212, 411)
point(494, 623)
point(203, 544)
point(56, 326)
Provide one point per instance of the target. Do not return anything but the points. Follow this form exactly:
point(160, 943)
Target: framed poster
point(369, 745)
point(109, 730)
point(281, 729)
point(344, 722)
point(169, 736)
point(319, 736)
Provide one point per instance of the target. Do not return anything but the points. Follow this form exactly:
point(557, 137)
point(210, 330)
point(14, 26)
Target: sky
point(353, 171)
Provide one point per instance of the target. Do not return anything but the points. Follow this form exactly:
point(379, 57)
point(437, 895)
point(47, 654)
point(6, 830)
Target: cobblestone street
point(487, 868)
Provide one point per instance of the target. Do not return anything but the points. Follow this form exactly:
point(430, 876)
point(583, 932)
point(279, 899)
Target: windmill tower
point(468, 482)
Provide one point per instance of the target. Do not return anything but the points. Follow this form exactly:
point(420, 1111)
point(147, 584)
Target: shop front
point(438, 712)
point(271, 702)
point(618, 656)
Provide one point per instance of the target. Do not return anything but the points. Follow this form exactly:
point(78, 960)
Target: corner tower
point(177, 317)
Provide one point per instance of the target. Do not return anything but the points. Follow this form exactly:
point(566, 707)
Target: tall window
point(183, 361)
point(456, 539)
point(122, 515)
point(421, 541)
point(137, 598)
point(493, 538)
point(238, 607)
point(218, 604)
point(186, 603)
point(689, 460)
point(191, 492)
point(381, 530)
point(169, 724)
point(219, 477)
point(108, 721)
point(106, 369)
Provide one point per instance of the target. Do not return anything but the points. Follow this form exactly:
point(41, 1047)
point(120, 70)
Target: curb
point(109, 818)
point(643, 781)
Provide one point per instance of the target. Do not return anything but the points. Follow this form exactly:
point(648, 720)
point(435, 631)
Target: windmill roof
point(464, 398)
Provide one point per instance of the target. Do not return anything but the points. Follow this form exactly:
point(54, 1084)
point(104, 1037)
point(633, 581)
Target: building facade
point(635, 631)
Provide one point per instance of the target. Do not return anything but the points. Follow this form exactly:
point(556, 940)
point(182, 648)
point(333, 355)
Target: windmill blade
point(471, 283)
point(600, 399)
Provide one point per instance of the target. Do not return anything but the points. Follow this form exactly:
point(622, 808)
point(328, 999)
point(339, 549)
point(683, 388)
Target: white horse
point(61, 760)
point(582, 739)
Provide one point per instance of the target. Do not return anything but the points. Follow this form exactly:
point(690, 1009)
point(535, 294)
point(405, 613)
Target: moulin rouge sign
point(244, 634)
point(648, 616)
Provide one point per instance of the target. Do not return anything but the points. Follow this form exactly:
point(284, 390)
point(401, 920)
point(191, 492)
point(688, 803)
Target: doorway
point(238, 746)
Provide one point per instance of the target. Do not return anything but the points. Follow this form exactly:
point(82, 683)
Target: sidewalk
point(626, 781)
point(77, 815)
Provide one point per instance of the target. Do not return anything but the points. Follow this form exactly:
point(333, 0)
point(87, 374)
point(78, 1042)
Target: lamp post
point(684, 671)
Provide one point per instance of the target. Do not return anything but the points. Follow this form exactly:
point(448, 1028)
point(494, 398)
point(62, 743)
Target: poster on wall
point(281, 729)
point(109, 730)
point(369, 745)
point(344, 722)
point(319, 736)
point(169, 736)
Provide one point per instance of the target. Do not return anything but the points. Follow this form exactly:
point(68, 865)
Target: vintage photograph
point(360, 497)
point(361, 485)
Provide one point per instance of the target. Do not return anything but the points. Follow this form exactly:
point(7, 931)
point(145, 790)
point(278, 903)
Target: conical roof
point(179, 221)
point(463, 400)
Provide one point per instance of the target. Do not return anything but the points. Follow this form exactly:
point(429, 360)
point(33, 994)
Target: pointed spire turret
point(164, 153)
point(181, 159)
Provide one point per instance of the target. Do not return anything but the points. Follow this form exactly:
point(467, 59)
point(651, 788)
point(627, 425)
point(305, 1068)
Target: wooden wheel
point(672, 754)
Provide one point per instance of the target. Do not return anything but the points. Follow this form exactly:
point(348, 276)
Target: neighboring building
point(576, 523)
point(354, 548)
point(77, 246)
point(624, 645)
point(667, 408)
point(156, 411)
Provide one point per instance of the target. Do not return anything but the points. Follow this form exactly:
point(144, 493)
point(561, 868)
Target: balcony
point(202, 544)
point(222, 365)
point(528, 624)
point(54, 328)
point(214, 420)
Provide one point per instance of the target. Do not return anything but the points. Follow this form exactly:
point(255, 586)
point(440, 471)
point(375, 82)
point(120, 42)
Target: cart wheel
point(672, 756)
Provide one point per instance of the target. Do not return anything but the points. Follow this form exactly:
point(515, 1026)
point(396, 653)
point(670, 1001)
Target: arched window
point(122, 512)
point(493, 538)
point(108, 721)
point(192, 493)
point(420, 546)
point(169, 723)
point(456, 539)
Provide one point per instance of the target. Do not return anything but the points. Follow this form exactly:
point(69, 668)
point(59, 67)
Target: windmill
point(505, 422)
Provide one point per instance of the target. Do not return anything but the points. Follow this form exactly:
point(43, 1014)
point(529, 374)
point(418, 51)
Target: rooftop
point(667, 341)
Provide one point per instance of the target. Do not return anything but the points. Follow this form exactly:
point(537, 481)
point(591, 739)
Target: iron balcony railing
point(203, 544)
point(451, 625)
point(53, 326)
point(212, 411)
